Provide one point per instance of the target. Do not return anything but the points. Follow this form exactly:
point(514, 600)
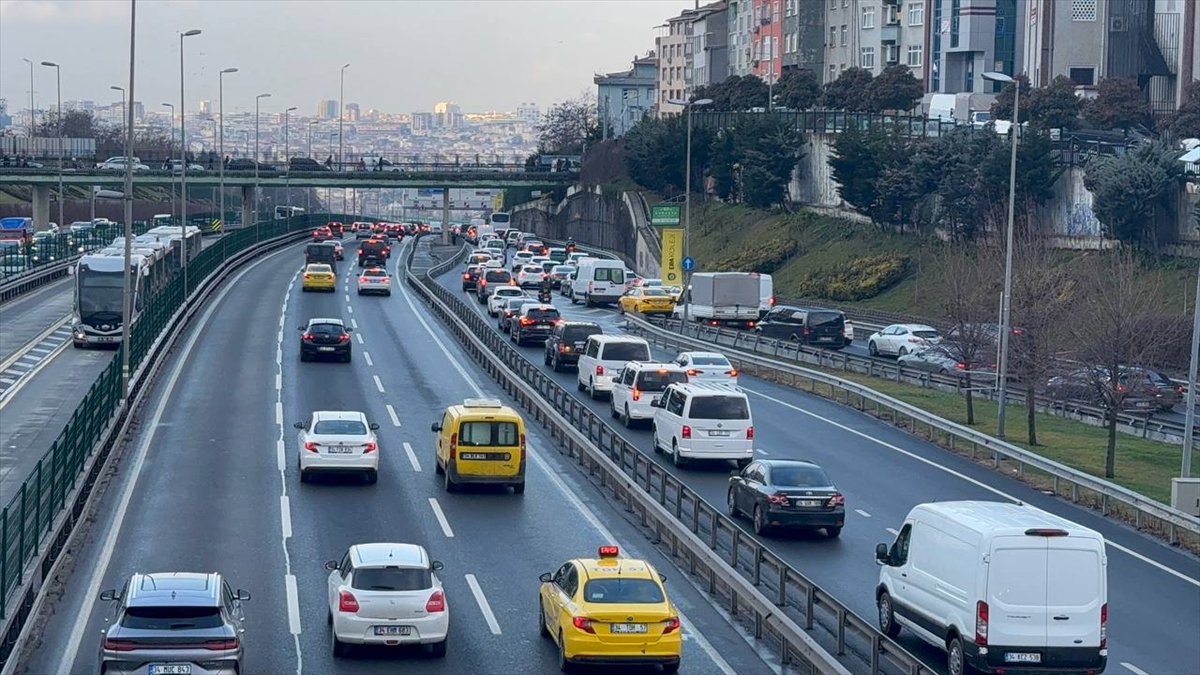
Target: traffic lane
point(35, 415)
point(25, 318)
point(203, 500)
point(877, 501)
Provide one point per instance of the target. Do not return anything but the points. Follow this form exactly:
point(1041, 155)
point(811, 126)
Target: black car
point(509, 311)
point(815, 326)
point(323, 252)
point(373, 249)
point(787, 493)
point(305, 164)
point(325, 338)
point(244, 164)
point(533, 322)
point(470, 278)
point(566, 341)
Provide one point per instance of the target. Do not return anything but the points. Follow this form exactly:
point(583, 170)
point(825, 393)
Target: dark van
point(814, 326)
point(373, 250)
point(322, 252)
point(567, 340)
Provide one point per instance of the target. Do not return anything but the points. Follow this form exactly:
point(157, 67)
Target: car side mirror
point(662, 578)
point(110, 595)
point(437, 565)
point(348, 329)
point(332, 565)
point(435, 427)
point(242, 595)
point(299, 425)
point(373, 426)
point(546, 578)
point(881, 554)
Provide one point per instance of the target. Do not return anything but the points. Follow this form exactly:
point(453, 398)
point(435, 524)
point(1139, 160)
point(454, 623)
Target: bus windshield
point(100, 293)
point(499, 218)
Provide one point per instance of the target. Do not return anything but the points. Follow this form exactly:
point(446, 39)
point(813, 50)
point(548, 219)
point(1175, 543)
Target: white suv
point(638, 386)
point(500, 296)
point(704, 420)
point(603, 357)
point(387, 594)
point(338, 441)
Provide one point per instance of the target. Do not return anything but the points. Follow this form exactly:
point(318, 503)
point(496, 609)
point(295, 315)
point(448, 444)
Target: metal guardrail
point(40, 518)
point(1063, 481)
point(19, 284)
point(774, 599)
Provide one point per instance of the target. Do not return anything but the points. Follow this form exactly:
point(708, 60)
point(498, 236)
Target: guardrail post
point(37, 511)
point(810, 604)
point(876, 645)
point(841, 632)
point(695, 516)
point(733, 546)
point(22, 524)
point(3, 559)
point(781, 593)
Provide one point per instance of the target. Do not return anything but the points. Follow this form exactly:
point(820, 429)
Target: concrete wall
point(812, 182)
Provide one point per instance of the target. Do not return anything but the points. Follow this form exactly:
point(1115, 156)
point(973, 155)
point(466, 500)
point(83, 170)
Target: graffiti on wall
point(1081, 221)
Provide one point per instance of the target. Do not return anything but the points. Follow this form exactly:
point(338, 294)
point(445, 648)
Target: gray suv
point(174, 622)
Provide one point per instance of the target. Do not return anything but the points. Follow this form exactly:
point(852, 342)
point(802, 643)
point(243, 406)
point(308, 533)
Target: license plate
point(807, 502)
point(1022, 657)
point(104, 339)
point(628, 628)
point(825, 339)
point(393, 630)
point(171, 669)
point(485, 456)
point(324, 349)
point(339, 450)
point(578, 345)
point(718, 433)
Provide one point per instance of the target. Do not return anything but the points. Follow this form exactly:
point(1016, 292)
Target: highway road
point(27, 316)
point(210, 483)
point(1154, 590)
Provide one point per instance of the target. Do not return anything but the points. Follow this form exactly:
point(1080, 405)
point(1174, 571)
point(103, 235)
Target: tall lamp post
point(687, 203)
point(123, 104)
point(256, 100)
point(1005, 302)
point(127, 196)
point(30, 103)
point(341, 118)
point(308, 191)
point(287, 167)
point(171, 156)
point(61, 141)
point(221, 137)
point(183, 196)
point(1189, 416)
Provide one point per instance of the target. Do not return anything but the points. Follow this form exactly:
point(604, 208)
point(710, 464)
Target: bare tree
point(969, 300)
point(1114, 327)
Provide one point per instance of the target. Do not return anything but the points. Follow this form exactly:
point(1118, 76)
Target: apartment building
point(874, 34)
point(968, 38)
point(804, 35)
point(740, 21)
point(624, 98)
point(766, 39)
point(674, 73)
point(708, 46)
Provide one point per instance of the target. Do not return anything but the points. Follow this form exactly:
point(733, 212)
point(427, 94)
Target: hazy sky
point(405, 54)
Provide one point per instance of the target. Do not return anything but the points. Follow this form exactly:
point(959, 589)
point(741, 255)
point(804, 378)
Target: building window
point(845, 4)
point(845, 34)
point(916, 14)
point(867, 59)
point(833, 5)
point(915, 52)
point(832, 73)
point(1083, 76)
point(832, 37)
point(841, 69)
point(868, 17)
point(1083, 10)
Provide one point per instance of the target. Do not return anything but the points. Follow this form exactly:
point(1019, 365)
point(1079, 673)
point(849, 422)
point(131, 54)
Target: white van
point(511, 237)
point(603, 358)
point(766, 294)
point(999, 586)
point(598, 280)
point(704, 420)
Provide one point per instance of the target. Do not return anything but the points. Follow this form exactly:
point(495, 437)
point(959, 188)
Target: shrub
point(863, 278)
point(764, 258)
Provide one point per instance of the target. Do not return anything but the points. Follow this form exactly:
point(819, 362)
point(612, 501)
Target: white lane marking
point(1133, 669)
point(349, 309)
point(66, 663)
point(378, 383)
point(862, 513)
point(293, 603)
point(281, 455)
point(278, 381)
point(762, 452)
point(894, 532)
point(392, 414)
point(281, 319)
point(40, 350)
point(367, 358)
point(285, 516)
point(279, 410)
point(412, 457)
point(952, 472)
point(347, 297)
point(484, 607)
point(583, 510)
point(354, 324)
point(359, 337)
point(441, 517)
point(6, 380)
point(279, 336)
point(25, 374)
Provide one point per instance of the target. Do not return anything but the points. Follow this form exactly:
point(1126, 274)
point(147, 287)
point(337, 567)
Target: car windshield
point(799, 476)
point(709, 360)
point(626, 351)
point(171, 618)
point(657, 380)
point(563, 269)
point(488, 434)
point(542, 314)
point(622, 591)
point(509, 292)
point(719, 408)
point(391, 579)
point(319, 269)
point(531, 269)
point(326, 329)
point(498, 275)
point(516, 303)
point(823, 318)
point(927, 334)
point(580, 333)
point(340, 428)
point(654, 292)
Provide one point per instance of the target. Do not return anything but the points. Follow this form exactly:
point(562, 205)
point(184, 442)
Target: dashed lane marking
point(367, 358)
point(862, 513)
point(378, 383)
point(484, 607)
point(393, 415)
point(412, 457)
point(441, 517)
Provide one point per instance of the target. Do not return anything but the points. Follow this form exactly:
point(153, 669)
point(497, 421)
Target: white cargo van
point(999, 586)
point(598, 280)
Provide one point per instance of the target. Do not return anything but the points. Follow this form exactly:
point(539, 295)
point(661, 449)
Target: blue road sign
point(688, 264)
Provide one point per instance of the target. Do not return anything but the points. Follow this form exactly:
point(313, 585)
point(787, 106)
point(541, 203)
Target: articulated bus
point(284, 212)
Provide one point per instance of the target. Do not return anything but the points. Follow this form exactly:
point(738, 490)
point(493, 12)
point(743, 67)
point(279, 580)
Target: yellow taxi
point(480, 441)
point(318, 277)
point(610, 610)
point(647, 300)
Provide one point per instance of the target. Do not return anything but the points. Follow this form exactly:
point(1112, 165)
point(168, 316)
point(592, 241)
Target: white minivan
point(598, 280)
point(998, 586)
point(603, 357)
point(704, 420)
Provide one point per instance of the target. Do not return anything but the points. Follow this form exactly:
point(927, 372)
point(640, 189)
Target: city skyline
point(492, 59)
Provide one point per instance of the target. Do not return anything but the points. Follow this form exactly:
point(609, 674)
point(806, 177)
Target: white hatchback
point(387, 594)
point(520, 259)
point(500, 296)
point(530, 276)
point(638, 386)
point(338, 441)
point(707, 367)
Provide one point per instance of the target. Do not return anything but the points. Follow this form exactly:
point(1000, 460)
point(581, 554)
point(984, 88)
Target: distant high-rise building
point(529, 113)
point(352, 112)
point(206, 107)
point(447, 115)
point(139, 110)
point(5, 120)
point(422, 121)
point(327, 110)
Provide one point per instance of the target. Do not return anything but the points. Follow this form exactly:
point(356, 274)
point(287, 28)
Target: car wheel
point(360, 291)
point(743, 463)
point(887, 617)
point(591, 388)
point(760, 525)
point(731, 502)
point(872, 349)
point(955, 661)
point(542, 629)
point(833, 532)
point(438, 649)
point(574, 301)
point(448, 482)
point(579, 384)
point(303, 476)
point(519, 488)
point(654, 437)
point(670, 668)
point(372, 476)
point(620, 308)
point(347, 358)
point(328, 618)
point(340, 649)
point(564, 665)
point(387, 293)
point(556, 363)
point(628, 420)
point(903, 351)
point(303, 356)
point(546, 358)
point(612, 409)
point(437, 467)
point(676, 459)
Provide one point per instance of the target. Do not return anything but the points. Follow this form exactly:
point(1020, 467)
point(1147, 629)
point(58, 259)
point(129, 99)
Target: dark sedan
point(470, 277)
point(533, 322)
point(325, 338)
point(786, 493)
point(510, 309)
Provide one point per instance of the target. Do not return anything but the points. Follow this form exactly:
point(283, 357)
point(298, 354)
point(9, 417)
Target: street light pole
point(122, 90)
point(1189, 416)
point(341, 117)
point(256, 100)
point(308, 191)
point(61, 139)
point(1005, 301)
point(287, 169)
point(31, 116)
point(171, 156)
point(183, 196)
point(221, 141)
point(127, 276)
point(687, 205)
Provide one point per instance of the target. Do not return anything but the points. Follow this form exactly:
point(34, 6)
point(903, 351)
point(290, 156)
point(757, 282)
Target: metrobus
point(499, 220)
point(284, 212)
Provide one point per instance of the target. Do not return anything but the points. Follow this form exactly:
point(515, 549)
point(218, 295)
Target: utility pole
point(127, 276)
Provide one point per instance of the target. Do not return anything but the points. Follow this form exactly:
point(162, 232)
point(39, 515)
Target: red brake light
point(637, 394)
point(522, 447)
point(119, 646)
point(306, 275)
point(686, 432)
point(310, 446)
point(672, 625)
point(526, 321)
point(347, 602)
point(436, 603)
point(692, 372)
point(221, 645)
point(778, 498)
point(836, 500)
point(981, 623)
point(960, 366)
point(584, 624)
point(1104, 626)
point(771, 301)
point(307, 336)
point(731, 373)
point(344, 337)
point(371, 446)
point(750, 433)
point(454, 445)
point(609, 551)
point(599, 369)
point(466, 275)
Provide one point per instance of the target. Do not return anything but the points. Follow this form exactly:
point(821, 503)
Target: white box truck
point(1000, 587)
point(725, 298)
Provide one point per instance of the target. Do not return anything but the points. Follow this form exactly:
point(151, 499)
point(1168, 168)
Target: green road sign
point(665, 215)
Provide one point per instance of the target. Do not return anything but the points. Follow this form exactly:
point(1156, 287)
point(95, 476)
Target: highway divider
point(41, 518)
point(771, 599)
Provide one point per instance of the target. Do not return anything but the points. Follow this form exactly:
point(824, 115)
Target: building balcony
point(889, 34)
